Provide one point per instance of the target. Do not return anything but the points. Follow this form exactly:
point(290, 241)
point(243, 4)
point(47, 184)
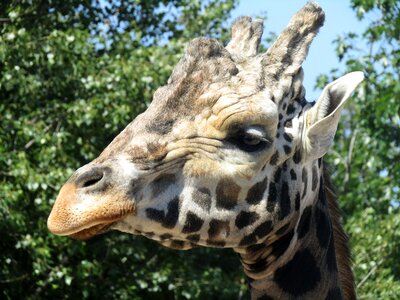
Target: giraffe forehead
point(207, 86)
point(227, 114)
point(256, 109)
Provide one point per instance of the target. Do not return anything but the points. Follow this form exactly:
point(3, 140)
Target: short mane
point(342, 251)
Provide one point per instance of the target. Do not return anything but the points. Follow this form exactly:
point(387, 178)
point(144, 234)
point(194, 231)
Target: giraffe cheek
point(200, 168)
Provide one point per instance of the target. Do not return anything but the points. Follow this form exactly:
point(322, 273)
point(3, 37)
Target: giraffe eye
point(250, 140)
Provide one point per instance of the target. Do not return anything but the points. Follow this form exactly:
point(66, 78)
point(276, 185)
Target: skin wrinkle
point(220, 124)
point(195, 141)
point(187, 148)
point(224, 102)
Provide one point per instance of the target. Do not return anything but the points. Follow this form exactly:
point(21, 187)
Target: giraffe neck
point(300, 260)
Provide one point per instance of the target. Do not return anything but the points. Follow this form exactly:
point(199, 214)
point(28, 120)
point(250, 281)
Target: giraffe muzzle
point(89, 203)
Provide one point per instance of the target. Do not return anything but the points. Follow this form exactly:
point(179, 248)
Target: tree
point(367, 150)
point(72, 75)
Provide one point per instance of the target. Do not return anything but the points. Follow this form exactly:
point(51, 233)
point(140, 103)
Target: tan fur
point(290, 49)
point(342, 251)
point(83, 218)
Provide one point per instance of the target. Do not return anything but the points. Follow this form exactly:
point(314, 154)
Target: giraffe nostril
point(93, 181)
point(90, 178)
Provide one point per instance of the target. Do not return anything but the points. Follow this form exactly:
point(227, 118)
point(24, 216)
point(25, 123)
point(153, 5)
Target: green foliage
point(367, 150)
point(72, 75)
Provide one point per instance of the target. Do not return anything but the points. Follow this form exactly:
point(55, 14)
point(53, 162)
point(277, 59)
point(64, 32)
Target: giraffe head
point(200, 166)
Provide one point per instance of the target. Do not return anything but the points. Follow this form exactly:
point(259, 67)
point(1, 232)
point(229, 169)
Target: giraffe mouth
point(91, 231)
point(81, 217)
point(86, 230)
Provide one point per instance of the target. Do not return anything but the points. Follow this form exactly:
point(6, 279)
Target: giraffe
point(229, 154)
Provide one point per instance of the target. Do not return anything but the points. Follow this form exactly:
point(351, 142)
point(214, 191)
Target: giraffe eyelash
point(252, 139)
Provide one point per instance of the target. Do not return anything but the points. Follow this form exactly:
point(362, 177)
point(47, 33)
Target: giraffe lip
point(91, 231)
point(88, 230)
point(95, 228)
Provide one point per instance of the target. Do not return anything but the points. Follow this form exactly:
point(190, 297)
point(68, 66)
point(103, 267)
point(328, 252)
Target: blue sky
point(339, 19)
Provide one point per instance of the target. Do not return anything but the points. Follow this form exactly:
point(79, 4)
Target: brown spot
point(260, 232)
point(284, 201)
point(297, 157)
point(227, 193)
point(162, 125)
point(248, 240)
point(304, 179)
point(282, 244)
point(293, 174)
point(256, 192)
point(156, 151)
point(274, 159)
point(272, 197)
point(297, 201)
point(263, 229)
point(218, 229)
point(300, 275)
point(323, 226)
point(258, 266)
point(156, 215)
point(161, 183)
point(165, 236)
point(287, 149)
point(246, 218)
point(175, 244)
point(193, 223)
point(172, 215)
point(283, 229)
point(167, 219)
point(253, 249)
point(288, 137)
point(277, 175)
point(202, 197)
point(290, 109)
point(304, 224)
point(216, 243)
point(193, 238)
point(314, 178)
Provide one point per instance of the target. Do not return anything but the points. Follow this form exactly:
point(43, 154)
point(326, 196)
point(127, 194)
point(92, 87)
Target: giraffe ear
point(322, 119)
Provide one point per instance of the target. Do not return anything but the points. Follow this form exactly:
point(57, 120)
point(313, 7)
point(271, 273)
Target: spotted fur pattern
point(222, 158)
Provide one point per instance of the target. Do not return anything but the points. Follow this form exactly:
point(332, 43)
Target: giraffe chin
point(91, 231)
